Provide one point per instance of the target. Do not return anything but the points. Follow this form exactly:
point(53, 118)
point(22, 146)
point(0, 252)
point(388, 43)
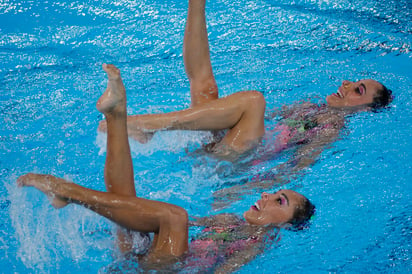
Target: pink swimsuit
point(213, 246)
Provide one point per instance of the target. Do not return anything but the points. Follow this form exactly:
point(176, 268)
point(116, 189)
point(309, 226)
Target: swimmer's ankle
point(113, 100)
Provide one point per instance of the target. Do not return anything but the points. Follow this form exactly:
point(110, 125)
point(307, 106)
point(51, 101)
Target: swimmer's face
point(277, 208)
point(352, 94)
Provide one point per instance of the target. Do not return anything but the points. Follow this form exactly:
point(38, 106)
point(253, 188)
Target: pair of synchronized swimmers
point(225, 237)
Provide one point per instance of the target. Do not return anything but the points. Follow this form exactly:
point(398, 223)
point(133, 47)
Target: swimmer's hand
point(225, 197)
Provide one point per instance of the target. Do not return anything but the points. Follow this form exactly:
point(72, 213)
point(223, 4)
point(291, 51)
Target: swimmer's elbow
point(256, 102)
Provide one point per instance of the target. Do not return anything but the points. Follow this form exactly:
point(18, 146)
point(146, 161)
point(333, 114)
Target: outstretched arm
point(223, 219)
point(238, 259)
point(304, 157)
point(167, 221)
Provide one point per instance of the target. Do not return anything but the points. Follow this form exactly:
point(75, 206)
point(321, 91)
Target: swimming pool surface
point(50, 78)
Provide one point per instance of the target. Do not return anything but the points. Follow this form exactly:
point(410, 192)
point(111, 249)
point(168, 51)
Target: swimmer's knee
point(254, 100)
point(182, 216)
point(203, 90)
point(205, 84)
point(177, 216)
point(258, 98)
point(254, 105)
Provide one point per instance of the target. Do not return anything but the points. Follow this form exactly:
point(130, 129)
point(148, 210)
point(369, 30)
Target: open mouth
point(256, 206)
point(338, 94)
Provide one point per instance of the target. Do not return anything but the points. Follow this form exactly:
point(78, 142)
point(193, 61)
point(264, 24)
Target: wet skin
point(351, 94)
point(276, 208)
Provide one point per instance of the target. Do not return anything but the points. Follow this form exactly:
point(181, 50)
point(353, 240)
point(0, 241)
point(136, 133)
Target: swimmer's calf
point(115, 97)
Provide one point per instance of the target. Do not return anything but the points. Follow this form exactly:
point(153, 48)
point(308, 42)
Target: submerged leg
point(196, 55)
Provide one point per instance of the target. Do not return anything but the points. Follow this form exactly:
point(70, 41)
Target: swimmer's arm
point(308, 153)
point(238, 259)
point(223, 198)
point(305, 156)
point(215, 220)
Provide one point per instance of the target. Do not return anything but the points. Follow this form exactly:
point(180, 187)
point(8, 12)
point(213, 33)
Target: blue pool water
point(50, 78)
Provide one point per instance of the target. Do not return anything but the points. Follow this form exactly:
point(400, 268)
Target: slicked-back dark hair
point(382, 98)
point(303, 213)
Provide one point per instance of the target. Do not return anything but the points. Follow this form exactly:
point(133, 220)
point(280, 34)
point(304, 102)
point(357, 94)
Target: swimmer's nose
point(346, 83)
point(264, 196)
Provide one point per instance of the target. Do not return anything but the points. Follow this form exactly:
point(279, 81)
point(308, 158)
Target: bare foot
point(44, 183)
point(115, 95)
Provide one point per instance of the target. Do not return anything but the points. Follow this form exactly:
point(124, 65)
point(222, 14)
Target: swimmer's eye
point(280, 201)
point(360, 89)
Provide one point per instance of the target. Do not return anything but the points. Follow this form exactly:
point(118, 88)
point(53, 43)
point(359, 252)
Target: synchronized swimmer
point(225, 238)
point(227, 241)
point(242, 114)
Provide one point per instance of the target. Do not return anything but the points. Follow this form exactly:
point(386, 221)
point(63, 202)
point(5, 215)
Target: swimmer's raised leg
point(119, 176)
point(241, 113)
point(168, 222)
point(118, 170)
point(196, 55)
